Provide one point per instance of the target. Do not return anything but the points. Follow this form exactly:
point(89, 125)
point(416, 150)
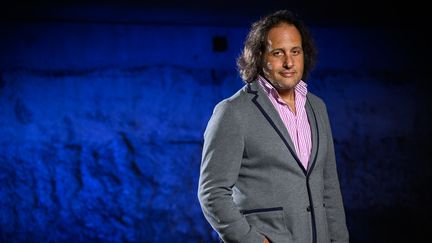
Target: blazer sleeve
point(220, 165)
point(332, 194)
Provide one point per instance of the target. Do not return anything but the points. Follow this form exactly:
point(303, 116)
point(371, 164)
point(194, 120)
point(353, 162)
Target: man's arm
point(221, 160)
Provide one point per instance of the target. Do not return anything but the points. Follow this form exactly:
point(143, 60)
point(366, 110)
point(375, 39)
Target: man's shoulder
point(231, 106)
point(236, 99)
point(315, 100)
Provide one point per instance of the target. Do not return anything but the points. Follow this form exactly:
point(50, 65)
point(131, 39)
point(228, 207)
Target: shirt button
point(308, 208)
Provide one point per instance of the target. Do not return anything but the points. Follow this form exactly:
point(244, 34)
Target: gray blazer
point(252, 183)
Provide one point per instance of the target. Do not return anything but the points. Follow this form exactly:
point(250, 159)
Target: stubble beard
point(280, 86)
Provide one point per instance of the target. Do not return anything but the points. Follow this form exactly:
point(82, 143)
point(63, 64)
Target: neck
point(288, 95)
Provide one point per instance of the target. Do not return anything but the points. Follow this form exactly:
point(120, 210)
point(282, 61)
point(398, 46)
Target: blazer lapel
point(263, 103)
point(314, 134)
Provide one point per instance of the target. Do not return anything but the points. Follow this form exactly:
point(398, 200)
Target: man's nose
point(288, 61)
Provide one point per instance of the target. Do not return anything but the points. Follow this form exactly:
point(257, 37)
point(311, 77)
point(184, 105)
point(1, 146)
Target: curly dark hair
point(249, 63)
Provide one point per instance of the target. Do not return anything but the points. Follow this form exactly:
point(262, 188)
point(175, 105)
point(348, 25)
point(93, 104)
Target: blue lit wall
point(101, 128)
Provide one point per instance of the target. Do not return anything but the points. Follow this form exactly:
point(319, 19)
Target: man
point(268, 171)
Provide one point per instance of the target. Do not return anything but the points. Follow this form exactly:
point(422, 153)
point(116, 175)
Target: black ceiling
point(226, 12)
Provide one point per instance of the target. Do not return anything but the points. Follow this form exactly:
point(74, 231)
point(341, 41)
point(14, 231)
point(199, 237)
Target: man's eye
point(277, 53)
point(296, 52)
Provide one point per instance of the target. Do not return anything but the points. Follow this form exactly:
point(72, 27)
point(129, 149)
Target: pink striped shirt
point(297, 124)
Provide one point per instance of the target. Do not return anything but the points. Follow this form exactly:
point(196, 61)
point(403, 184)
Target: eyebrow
point(283, 49)
point(278, 49)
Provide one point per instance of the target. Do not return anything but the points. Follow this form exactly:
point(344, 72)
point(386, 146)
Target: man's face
point(283, 59)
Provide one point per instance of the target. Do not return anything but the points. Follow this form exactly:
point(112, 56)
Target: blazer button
point(308, 208)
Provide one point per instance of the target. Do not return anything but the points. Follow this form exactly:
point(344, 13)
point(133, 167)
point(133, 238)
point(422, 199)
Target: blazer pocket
point(267, 219)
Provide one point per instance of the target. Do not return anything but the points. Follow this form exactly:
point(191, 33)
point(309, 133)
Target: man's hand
point(266, 241)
